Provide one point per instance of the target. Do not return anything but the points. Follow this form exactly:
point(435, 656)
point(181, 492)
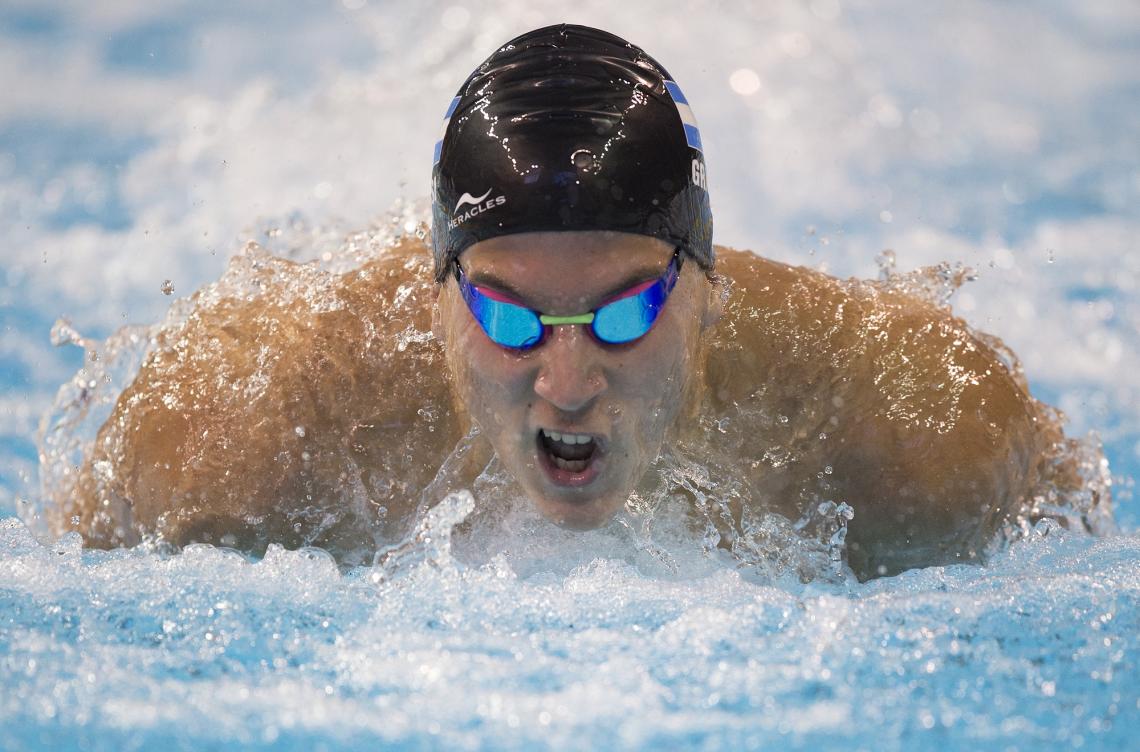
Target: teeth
point(567, 438)
point(574, 466)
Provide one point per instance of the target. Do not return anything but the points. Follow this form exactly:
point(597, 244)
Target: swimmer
point(573, 319)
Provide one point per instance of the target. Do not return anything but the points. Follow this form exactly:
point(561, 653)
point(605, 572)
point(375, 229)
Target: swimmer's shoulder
point(255, 407)
point(931, 434)
point(783, 326)
point(762, 277)
point(804, 325)
point(792, 299)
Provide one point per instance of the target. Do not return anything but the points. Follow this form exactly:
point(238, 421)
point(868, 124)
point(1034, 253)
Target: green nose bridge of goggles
point(582, 318)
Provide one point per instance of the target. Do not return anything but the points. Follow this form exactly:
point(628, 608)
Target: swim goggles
point(624, 318)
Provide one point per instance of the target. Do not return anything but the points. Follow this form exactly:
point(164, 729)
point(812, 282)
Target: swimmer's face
point(612, 405)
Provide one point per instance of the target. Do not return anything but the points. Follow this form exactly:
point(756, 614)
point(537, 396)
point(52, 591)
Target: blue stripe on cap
point(693, 137)
point(675, 92)
point(443, 129)
point(688, 120)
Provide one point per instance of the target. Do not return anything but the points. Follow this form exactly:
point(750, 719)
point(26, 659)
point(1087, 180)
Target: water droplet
point(300, 431)
point(63, 333)
point(167, 287)
point(886, 261)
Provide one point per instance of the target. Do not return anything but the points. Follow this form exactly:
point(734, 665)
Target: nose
point(570, 376)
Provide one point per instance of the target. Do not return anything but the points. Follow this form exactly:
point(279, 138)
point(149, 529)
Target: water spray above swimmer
point(573, 324)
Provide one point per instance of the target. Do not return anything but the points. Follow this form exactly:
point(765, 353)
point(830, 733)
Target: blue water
point(129, 650)
point(144, 143)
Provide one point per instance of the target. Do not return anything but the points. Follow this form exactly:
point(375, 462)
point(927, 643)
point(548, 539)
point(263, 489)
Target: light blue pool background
point(141, 142)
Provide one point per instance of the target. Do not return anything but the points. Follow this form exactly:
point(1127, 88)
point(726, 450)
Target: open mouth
point(570, 458)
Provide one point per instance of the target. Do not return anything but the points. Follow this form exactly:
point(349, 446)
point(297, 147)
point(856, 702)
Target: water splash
point(337, 249)
point(935, 284)
point(430, 542)
point(81, 406)
point(1075, 491)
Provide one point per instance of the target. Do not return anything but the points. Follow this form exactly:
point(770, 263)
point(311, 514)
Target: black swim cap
point(569, 128)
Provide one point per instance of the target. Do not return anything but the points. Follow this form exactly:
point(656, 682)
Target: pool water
point(136, 650)
point(141, 144)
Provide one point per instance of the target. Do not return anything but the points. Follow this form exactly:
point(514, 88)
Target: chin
point(578, 515)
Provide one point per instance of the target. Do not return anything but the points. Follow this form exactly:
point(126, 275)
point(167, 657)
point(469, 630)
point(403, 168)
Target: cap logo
point(467, 198)
point(478, 204)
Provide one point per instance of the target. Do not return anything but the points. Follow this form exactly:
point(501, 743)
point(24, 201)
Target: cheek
point(652, 378)
point(489, 383)
point(671, 367)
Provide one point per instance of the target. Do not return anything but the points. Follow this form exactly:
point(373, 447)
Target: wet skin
point(806, 388)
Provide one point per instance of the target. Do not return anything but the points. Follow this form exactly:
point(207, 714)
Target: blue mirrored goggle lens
point(506, 324)
point(629, 318)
